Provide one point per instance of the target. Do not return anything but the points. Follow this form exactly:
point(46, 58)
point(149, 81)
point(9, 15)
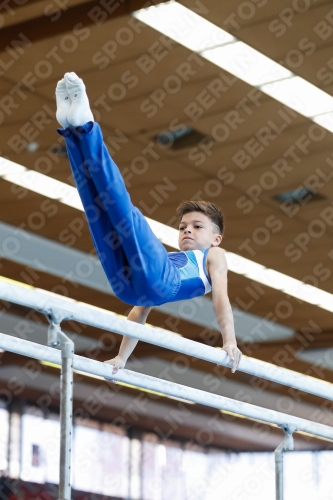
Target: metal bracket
point(288, 428)
point(52, 333)
point(55, 313)
point(55, 335)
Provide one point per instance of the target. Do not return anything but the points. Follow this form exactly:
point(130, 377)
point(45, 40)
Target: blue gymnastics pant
point(134, 260)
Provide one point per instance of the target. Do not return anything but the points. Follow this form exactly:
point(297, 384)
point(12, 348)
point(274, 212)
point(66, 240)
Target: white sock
point(63, 103)
point(80, 112)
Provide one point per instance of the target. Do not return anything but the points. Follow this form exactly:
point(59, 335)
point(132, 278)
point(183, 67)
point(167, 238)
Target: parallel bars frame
point(57, 309)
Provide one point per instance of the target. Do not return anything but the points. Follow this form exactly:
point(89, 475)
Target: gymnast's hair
point(206, 207)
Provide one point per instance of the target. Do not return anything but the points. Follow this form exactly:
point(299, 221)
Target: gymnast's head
point(201, 225)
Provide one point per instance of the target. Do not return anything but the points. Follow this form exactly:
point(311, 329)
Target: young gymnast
point(140, 270)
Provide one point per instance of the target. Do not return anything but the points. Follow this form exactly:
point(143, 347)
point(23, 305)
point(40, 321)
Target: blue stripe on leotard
point(192, 271)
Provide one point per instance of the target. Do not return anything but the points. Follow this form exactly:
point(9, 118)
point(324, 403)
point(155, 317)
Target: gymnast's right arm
point(138, 314)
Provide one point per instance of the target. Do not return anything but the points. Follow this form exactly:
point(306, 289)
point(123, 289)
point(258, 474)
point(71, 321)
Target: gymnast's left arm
point(218, 270)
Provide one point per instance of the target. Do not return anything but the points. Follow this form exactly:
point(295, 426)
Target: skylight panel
point(279, 281)
point(9, 167)
point(38, 183)
point(34, 181)
point(325, 120)
point(166, 234)
point(246, 63)
point(300, 95)
point(184, 26)
point(218, 46)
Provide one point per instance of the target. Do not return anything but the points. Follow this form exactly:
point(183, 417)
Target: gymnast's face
point(197, 232)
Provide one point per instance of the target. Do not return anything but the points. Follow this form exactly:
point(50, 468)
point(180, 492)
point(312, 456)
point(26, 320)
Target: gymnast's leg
point(97, 218)
point(121, 234)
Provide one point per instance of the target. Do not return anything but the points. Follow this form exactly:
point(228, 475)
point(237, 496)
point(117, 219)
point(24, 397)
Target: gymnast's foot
point(79, 112)
point(63, 103)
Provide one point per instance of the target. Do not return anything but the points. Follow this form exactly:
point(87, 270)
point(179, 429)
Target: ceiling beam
point(42, 27)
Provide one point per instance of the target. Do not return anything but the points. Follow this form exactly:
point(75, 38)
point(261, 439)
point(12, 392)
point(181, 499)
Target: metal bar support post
point(286, 445)
point(55, 337)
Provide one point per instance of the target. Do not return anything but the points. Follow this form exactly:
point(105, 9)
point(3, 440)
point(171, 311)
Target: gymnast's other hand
point(117, 363)
point(234, 354)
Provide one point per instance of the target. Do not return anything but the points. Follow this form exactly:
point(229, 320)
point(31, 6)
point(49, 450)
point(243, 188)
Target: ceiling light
point(184, 137)
point(73, 200)
point(325, 120)
point(184, 26)
point(10, 167)
point(279, 281)
point(246, 63)
point(300, 95)
point(299, 196)
point(32, 147)
point(218, 46)
point(39, 183)
point(166, 234)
